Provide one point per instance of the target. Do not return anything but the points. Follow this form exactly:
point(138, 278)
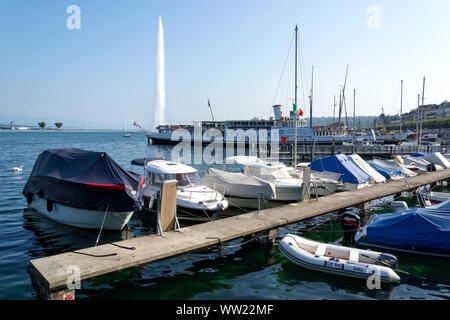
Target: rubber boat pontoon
point(338, 260)
point(83, 189)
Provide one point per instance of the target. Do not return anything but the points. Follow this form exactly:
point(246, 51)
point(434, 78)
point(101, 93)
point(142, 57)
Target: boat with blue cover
point(389, 172)
point(423, 231)
point(351, 175)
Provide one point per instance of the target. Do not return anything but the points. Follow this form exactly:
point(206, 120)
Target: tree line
point(442, 123)
point(42, 125)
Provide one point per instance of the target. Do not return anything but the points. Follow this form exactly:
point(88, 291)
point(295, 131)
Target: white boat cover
point(394, 165)
point(378, 178)
point(243, 160)
point(418, 162)
point(437, 158)
point(238, 185)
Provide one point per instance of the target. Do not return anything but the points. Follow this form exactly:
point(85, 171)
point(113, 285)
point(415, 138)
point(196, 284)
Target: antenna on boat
point(209, 105)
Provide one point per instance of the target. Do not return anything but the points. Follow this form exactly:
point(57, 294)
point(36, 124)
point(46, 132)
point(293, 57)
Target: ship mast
point(295, 102)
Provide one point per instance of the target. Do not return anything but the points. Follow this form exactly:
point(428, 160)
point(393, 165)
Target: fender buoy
point(49, 205)
point(29, 198)
point(41, 193)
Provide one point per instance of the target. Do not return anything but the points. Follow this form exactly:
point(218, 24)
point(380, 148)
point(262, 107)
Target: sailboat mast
point(311, 98)
point(354, 113)
point(417, 119)
point(401, 105)
point(295, 102)
point(421, 112)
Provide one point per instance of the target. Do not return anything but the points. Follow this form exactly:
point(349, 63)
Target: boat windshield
point(184, 179)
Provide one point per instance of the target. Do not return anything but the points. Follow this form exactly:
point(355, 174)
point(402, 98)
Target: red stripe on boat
point(107, 186)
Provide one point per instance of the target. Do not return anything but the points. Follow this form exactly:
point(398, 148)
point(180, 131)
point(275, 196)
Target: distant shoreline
point(63, 129)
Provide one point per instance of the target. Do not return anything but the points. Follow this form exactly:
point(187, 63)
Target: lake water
point(250, 271)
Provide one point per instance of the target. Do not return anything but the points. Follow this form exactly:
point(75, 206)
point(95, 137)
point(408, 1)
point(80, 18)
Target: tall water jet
point(160, 78)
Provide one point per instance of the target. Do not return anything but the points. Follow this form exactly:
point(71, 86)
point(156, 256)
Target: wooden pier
point(49, 275)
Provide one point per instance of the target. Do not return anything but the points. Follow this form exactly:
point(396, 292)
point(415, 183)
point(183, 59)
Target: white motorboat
point(194, 200)
point(83, 189)
point(287, 188)
point(339, 260)
point(240, 190)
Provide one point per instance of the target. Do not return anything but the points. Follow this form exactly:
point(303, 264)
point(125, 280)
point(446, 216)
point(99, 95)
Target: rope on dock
point(96, 255)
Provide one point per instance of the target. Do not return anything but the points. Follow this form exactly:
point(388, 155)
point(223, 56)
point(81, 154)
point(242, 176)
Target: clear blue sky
point(230, 51)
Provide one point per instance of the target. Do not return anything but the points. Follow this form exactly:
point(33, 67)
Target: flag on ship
point(299, 112)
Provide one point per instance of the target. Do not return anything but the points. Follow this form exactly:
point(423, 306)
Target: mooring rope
point(103, 222)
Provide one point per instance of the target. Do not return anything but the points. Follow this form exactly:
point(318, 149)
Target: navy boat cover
point(350, 172)
point(86, 180)
point(387, 172)
point(415, 229)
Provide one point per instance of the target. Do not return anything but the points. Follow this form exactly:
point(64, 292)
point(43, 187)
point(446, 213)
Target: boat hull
point(288, 193)
point(80, 218)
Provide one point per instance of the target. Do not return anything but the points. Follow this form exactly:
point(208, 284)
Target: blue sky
point(230, 51)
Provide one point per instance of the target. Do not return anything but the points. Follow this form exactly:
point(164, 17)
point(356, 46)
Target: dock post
point(268, 237)
point(306, 190)
point(167, 208)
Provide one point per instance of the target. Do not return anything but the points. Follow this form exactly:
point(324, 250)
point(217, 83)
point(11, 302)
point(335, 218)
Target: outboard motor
point(388, 260)
point(350, 223)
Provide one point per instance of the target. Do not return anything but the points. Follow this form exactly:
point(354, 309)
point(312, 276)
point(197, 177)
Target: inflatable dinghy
point(339, 260)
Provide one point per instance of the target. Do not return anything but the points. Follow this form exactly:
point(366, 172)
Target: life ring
point(49, 205)
point(29, 198)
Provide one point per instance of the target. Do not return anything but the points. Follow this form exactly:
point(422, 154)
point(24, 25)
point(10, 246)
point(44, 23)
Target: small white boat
point(339, 260)
point(239, 189)
point(194, 200)
point(287, 188)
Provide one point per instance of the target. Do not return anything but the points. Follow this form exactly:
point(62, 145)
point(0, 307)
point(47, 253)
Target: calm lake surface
point(250, 271)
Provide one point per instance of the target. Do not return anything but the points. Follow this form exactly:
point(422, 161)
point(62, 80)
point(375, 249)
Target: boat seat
point(354, 256)
point(320, 250)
